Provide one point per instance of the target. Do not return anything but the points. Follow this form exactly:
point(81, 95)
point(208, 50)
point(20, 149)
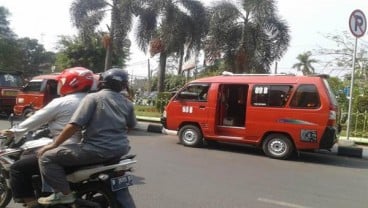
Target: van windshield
point(33, 86)
point(10, 80)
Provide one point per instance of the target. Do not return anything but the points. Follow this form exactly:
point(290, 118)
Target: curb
point(346, 148)
point(154, 128)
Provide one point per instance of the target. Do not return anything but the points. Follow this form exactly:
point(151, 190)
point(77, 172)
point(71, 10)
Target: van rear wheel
point(191, 135)
point(278, 146)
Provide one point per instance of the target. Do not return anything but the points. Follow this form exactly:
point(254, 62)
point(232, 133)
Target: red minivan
point(279, 113)
point(38, 92)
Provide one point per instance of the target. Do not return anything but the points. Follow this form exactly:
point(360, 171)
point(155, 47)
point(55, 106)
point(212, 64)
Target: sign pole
point(351, 91)
point(358, 26)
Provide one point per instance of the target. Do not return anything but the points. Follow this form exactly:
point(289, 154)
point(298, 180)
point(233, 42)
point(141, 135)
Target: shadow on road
point(302, 157)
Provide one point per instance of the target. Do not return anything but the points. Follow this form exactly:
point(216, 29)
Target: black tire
point(98, 193)
point(27, 113)
point(278, 146)
point(191, 135)
point(5, 193)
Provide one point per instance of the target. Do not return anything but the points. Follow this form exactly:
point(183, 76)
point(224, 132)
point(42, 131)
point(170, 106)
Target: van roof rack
point(227, 73)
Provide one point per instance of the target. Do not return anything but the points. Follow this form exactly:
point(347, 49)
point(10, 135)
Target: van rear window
point(270, 95)
point(306, 96)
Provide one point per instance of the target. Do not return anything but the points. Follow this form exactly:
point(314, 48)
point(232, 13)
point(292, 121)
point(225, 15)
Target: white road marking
point(281, 203)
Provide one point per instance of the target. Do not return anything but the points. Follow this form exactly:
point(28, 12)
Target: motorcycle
point(100, 185)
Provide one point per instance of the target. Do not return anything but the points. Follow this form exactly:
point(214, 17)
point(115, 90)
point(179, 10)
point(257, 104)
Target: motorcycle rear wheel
point(99, 193)
point(5, 193)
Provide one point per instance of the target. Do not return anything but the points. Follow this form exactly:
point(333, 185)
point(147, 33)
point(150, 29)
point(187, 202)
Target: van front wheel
point(277, 146)
point(191, 135)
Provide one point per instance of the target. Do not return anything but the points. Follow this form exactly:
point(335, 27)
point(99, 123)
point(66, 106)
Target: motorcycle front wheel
point(5, 193)
point(98, 193)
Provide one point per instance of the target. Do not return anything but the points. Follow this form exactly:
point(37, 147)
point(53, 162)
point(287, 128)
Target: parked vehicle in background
point(10, 84)
point(278, 113)
point(38, 92)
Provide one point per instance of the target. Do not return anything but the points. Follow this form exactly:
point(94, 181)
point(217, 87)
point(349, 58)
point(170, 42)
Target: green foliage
point(305, 63)
point(162, 100)
point(33, 57)
point(88, 15)
point(149, 111)
point(23, 54)
point(249, 38)
point(5, 31)
point(175, 25)
point(337, 87)
point(75, 52)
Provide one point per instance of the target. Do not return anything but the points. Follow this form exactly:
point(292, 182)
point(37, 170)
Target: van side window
point(270, 95)
point(306, 96)
point(194, 92)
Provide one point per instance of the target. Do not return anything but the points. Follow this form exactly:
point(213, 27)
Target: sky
point(309, 22)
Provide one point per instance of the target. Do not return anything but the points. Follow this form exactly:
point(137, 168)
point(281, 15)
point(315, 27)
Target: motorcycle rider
point(105, 116)
point(73, 85)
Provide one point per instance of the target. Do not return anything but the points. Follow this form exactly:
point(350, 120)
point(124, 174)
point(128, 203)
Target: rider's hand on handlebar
point(7, 133)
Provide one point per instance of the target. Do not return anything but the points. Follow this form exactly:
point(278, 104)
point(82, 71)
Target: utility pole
point(149, 76)
point(276, 67)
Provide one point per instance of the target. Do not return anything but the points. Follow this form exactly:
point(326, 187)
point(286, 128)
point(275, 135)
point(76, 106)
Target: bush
point(149, 111)
point(162, 100)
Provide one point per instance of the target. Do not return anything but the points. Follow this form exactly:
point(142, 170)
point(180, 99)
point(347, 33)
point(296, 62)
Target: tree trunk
point(109, 49)
point(181, 61)
point(161, 78)
point(108, 59)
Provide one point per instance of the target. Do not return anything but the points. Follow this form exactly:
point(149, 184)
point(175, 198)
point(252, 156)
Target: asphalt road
point(169, 175)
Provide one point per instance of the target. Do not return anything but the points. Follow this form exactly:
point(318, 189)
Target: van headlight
point(20, 100)
point(164, 114)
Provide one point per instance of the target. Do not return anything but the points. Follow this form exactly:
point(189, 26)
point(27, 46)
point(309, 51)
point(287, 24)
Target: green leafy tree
point(168, 27)
point(33, 57)
point(5, 31)
point(9, 51)
point(249, 37)
point(305, 63)
point(88, 15)
point(74, 52)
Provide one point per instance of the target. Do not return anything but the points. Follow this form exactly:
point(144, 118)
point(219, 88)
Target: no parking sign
point(357, 23)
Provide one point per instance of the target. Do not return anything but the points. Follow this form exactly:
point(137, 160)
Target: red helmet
point(76, 79)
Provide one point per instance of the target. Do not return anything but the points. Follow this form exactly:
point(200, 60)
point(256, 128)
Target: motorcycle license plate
point(121, 182)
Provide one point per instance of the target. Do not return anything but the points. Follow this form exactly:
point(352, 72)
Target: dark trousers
point(21, 176)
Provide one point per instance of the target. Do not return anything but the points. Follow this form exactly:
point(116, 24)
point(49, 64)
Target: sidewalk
point(352, 147)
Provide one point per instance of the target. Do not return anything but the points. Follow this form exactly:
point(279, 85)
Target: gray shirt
point(106, 116)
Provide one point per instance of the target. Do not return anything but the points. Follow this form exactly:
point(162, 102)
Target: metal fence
point(358, 124)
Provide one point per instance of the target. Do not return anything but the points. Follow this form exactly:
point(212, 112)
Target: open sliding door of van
point(231, 111)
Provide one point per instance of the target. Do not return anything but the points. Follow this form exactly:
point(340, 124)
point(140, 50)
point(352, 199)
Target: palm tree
point(88, 15)
point(249, 38)
point(305, 63)
point(171, 27)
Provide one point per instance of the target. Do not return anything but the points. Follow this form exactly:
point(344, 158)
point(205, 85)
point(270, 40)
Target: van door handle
point(202, 107)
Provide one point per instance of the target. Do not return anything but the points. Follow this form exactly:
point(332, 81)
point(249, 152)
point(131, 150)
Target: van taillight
point(332, 116)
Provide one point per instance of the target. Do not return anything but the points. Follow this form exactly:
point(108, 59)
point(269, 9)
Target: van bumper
point(329, 138)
